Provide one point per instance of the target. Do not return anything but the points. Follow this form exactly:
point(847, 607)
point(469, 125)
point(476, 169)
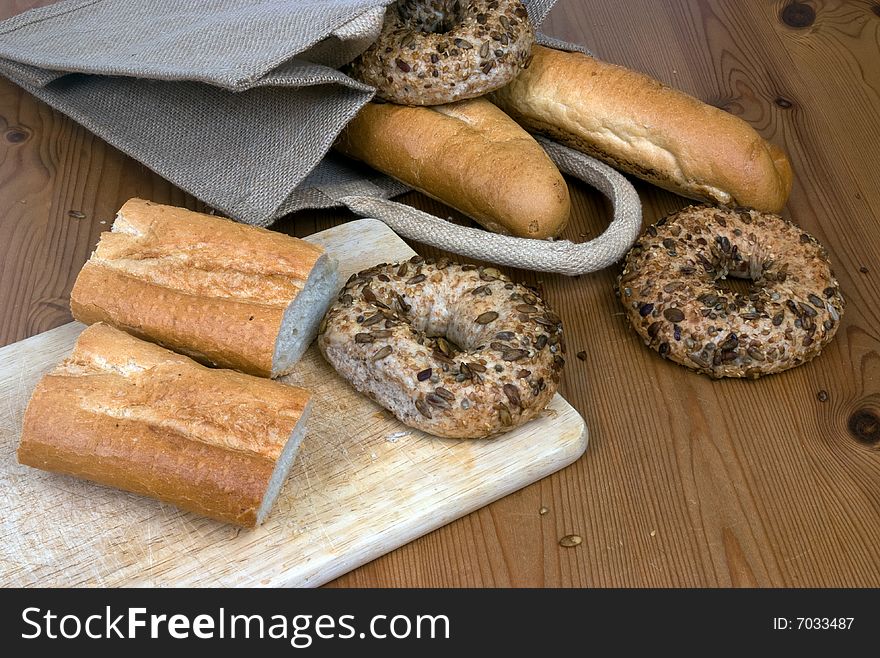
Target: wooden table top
point(687, 481)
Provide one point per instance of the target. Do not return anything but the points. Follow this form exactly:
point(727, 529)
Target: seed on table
point(543, 511)
point(822, 395)
point(570, 541)
point(582, 355)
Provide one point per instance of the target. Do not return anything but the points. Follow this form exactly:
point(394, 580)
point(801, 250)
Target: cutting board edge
point(568, 456)
point(569, 451)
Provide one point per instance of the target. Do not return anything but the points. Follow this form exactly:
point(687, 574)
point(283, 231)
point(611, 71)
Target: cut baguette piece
point(126, 413)
point(227, 294)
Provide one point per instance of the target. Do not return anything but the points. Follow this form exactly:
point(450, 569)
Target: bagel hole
point(457, 342)
point(438, 17)
point(735, 285)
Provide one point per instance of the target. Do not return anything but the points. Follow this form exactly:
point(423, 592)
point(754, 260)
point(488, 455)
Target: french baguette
point(647, 129)
point(470, 156)
point(224, 293)
point(129, 414)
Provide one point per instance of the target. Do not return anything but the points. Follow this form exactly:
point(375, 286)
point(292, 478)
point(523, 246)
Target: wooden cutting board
point(362, 484)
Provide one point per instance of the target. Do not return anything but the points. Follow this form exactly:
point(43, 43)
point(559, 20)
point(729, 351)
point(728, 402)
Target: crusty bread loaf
point(130, 414)
point(647, 129)
point(470, 156)
point(227, 294)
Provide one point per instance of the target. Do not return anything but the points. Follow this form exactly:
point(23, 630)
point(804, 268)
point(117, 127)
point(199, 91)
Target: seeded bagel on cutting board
point(457, 351)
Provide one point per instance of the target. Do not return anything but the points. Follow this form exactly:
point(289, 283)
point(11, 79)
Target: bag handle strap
point(559, 256)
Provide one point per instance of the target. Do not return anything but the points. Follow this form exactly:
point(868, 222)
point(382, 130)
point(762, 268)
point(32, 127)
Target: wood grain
point(688, 482)
point(362, 483)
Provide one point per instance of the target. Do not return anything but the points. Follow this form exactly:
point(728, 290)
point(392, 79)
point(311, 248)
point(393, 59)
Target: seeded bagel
point(671, 289)
point(432, 52)
point(454, 350)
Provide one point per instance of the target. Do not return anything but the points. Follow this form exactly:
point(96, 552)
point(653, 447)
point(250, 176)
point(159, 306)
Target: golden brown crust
point(469, 155)
point(202, 285)
point(645, 128)
point(129, 414)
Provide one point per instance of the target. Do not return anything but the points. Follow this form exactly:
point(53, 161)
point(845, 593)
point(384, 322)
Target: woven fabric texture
point(235, 101)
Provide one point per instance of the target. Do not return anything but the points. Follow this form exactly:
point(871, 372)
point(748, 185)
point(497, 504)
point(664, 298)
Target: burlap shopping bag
point(239, 101)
